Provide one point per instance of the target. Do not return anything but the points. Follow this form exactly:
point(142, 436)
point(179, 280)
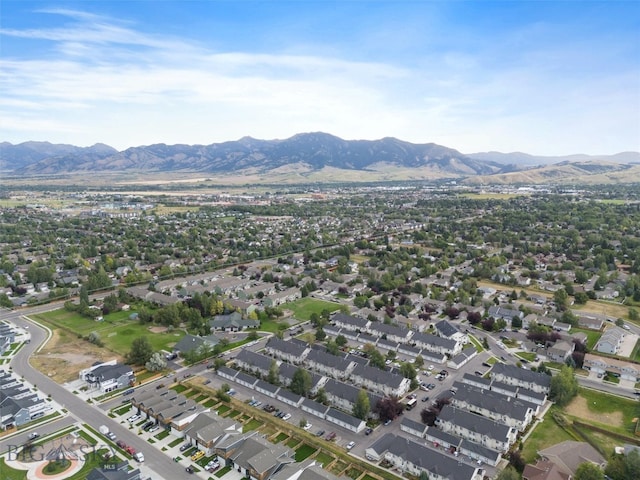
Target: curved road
point(79, 410)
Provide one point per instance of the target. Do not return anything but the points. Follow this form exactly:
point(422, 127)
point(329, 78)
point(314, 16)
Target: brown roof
point(543, 470)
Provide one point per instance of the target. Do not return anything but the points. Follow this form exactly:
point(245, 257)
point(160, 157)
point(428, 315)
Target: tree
point(419, 361)
point(301, 382)
point(633, 314)
point(362, 406)
point(376, 359)
point(588, 471)
point(156, 363)
point(141, 351)
point(341, 341)
point(253, 335)
point(320, 335)
point(508, 473)
point(273, 376)
point(321, 397)
point(388, 408)
point(624, 467)
point(564, 386)
point(561, 298)
point(94, 337)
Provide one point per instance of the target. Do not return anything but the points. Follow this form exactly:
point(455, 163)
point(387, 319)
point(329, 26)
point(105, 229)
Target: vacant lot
point(65, 355)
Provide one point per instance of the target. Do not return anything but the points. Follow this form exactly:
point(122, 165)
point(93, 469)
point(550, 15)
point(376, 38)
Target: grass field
point(9, 473)
point(304, 452)
point(304, 307)
point(116, 331)
point(546, 433)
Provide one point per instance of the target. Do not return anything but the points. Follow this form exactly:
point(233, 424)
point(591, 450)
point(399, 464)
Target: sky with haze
point(542, 77)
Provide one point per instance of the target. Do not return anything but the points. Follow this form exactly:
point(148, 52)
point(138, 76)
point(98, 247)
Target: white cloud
point(109, 83)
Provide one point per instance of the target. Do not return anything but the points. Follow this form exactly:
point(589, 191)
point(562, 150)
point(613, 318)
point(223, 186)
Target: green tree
point(301, 382)
point(156, 363)
point(141, 351)
point(273, 376)
point(561, 299)
point(362, 406)
point(564, 386)
point(624, 467)
point(321, 397)
point(341, 341)
point(588, 471)
point(633, 314)
point(508, 473)
point(5, 301)
point(419, 362)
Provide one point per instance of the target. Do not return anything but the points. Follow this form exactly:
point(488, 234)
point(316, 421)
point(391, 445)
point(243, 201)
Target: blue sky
point(543, 77)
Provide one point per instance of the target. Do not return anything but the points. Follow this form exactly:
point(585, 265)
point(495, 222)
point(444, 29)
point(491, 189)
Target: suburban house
point(611, 340)
point(208, 428)
point(560, 351)
point(190, 343)
point(232, 322)
point(477, 429)
point(345, 420)
point(513, 375)
point(108, 376)
point(115, 471)
point(279, 298)
point(258, 459)
point(505, 312)
point(544, 470)
point(393, 333)
point(568, 456)
point(306, 470)
point(414, 458)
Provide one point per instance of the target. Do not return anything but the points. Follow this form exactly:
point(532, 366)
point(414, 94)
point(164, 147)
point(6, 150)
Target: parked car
point(189, 470)
point(286, 416)
point(307, 426)
point(331, 436)
point(368, 431)
point(185, 446)
point(350, 445)
point(319, 433)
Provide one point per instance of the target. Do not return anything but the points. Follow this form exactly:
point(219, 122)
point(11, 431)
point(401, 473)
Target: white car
point(430, 367)
point(350, 445)
point(307, 426)
point(133, 418)
point(287, 416)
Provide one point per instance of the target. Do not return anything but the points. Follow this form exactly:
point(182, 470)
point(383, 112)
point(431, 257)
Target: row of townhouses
point(342, 367)
point(18, 403)
point(330, 414)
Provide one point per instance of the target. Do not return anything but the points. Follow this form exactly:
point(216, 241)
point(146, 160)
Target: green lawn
point(176, 442)
point(281, 436)
point(116, 330)
point(304, 307)
point(592, 336)
point(529, 356)
point(305, 451)
point(324, 458)
point(251, 425)
point(11, 473)
point(601, 403)
point(222, 471)
point(545, 434)
point(209, 403)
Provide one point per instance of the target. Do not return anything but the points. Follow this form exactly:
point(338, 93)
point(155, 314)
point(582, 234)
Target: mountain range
point(315, 157)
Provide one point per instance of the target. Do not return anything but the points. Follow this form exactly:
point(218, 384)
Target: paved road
point(79, 410)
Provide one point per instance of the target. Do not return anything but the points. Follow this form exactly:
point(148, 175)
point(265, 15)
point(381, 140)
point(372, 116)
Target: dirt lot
point(579, 408)
point(65, 355)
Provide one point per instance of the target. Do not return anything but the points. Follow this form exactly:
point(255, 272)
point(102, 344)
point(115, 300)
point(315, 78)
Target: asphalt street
point(79, 410)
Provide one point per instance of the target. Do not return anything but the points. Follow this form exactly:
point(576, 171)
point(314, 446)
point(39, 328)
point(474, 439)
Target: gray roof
point(474, 423)
point(243, 377)
point(343, 417)
point(425, 458)
point(434, 340)
point(328, 360)
point(286, 348)
point(353, 323)
point(366, 338)
point(480, 450)
point(254, 360)
point(512, 371)
point(266, 386)
point(191, 342)
point(381, 377)
point(489, 400)
point(446, 329)
point(294, 397)
point(412, 424)
point(315, 406)
point(232, 372)
point(389, 329)
point(443, 437)
point(348, 392)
